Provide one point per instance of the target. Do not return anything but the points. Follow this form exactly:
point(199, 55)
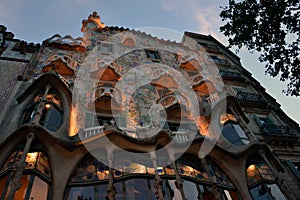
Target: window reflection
point(257, 170)
point(51, 114)
point(134, 180)
point(267, 191)
point(39, 189)
point(234, 133)
point(33, 186)
point(259, 176)
point(137, 189)
point(190, 190)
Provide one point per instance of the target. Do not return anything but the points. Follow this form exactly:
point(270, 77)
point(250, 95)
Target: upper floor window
point(294, 167)
point(105, 47)
point(51, 117)
point(232, 130)
point(234, 133)
point(263, 120)
point(152, 54)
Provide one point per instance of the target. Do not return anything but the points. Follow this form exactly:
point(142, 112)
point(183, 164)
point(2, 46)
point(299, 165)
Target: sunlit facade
point(119, 114)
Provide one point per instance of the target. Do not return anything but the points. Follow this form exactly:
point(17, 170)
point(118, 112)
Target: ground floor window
point(36, 178)
point(266, 191)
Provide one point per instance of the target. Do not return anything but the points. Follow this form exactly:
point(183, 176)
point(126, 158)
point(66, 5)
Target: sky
point(37, 20)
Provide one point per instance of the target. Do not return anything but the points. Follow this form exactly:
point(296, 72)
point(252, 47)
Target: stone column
point(41, 106)
point(158, 182)
point(15, 183)
point(178, 181)
point(111, 190)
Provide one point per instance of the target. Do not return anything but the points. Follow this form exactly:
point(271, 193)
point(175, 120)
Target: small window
point(105, 47)
point(295, 167)
point(152, 54)
point(262, 120)
point(214, 57)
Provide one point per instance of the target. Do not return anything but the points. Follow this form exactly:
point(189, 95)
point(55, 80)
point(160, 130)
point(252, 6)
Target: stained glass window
point(33, 186)
point(34, 160)
point(189, 166)
point(89, 169)
point(218, 174)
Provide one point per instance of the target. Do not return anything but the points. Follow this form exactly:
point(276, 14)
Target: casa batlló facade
point(121, 114)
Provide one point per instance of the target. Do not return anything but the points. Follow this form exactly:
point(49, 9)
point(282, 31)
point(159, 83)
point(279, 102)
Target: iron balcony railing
point(233, 76)
point(249, 96)
point(268, 130)
point(251, 100)
point(220, 62)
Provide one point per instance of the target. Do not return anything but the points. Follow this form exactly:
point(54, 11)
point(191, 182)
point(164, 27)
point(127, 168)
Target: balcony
point(276, 133)
point(232, 76)
point(219, 61)
point(251, 100)
point(211, 48)
point(89, 132)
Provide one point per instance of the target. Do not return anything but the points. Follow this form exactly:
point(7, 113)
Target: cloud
point(204, 13)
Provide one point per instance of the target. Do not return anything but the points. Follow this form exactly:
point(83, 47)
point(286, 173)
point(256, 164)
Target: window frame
point(152, 55)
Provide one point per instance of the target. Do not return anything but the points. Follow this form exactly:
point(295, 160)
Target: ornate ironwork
point(248, 99)
point(276, 130)
point(233, 76)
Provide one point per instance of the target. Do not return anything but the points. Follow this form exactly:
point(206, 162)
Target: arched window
point(52, 112)
point(232, 131)
point(36, 178)
point(261, 180)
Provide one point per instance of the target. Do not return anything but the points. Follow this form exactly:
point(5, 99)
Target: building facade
point(121, 114)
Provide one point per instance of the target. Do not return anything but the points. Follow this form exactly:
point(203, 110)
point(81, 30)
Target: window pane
point(119, 190)
point(276, 192)
point(190, 190)
point(20, 194)
point(174, 193)
point(134, 168)
point(2, 184)
point(231, 135)
point(260, 193)
point(207, 194)
point(137, 189)
point(82, 192)
point(51, 118)
point(152, 190)
point(39, 189)
point(43, 165)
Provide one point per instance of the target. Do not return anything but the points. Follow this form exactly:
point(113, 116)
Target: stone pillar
point(110, 190)
point(41, 106)
point(158, 182)
point(15, 183)
point(178, 181)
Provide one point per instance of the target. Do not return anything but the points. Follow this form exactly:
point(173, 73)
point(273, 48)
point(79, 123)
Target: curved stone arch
point(128, 40)
point(63, 64)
